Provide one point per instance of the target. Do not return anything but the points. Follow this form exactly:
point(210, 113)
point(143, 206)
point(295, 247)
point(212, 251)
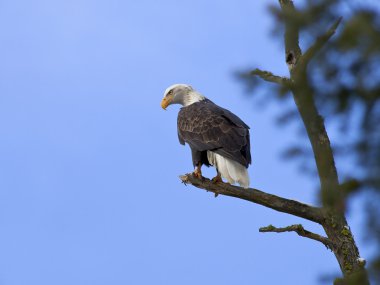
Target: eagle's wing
point(206, 126)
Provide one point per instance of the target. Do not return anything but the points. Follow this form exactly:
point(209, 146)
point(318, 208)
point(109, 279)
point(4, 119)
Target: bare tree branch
point(319, 43)
point(335, 224)
point(292, 48)
point(299, 229)
point(274, 202)
point(314, 124)
point(270, 77)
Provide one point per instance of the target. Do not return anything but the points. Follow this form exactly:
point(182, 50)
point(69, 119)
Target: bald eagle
point(215, 135)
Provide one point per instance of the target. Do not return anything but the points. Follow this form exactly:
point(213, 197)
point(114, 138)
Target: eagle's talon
point(198, 173)
point(217, 179)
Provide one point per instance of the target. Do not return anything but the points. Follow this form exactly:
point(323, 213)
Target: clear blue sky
point(89, 162)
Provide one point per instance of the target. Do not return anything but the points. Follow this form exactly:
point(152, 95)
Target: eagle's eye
point(170, 92)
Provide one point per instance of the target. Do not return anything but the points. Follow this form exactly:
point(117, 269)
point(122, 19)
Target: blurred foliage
point(345, 80)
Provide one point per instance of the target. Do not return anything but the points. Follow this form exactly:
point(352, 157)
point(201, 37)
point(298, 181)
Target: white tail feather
point(231, 170)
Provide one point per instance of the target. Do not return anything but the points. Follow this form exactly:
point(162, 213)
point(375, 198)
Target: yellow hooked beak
point(166, 102)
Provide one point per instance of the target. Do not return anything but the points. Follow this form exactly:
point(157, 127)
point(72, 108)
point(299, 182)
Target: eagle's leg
point(217, 178)
point(198, 172)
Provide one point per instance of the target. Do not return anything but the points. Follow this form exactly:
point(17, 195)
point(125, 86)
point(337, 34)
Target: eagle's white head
point(180, 94)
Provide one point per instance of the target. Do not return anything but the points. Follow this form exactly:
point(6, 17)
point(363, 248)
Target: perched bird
point(216, 136)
